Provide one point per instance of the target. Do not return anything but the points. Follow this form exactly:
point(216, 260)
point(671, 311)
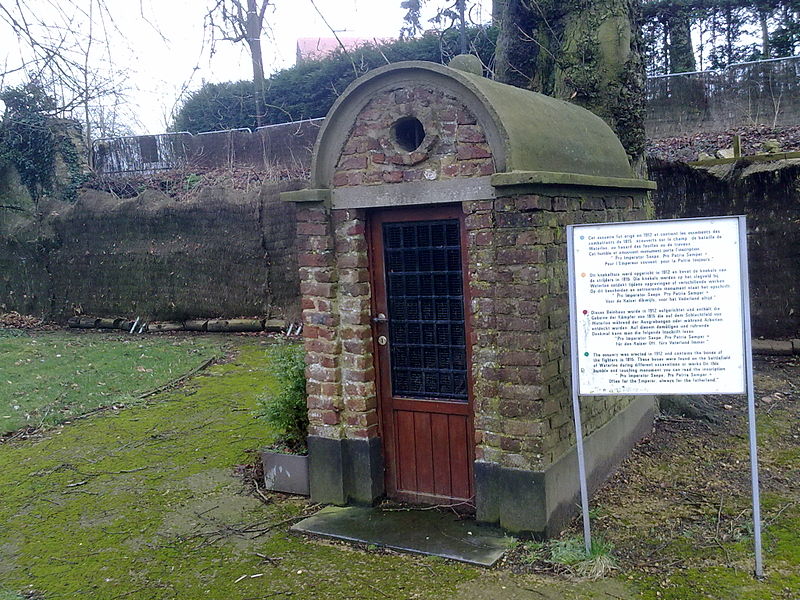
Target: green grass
point(142, 503)
point(51, 377)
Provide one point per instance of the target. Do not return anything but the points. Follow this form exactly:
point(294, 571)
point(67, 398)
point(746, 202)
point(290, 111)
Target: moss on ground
point(143, 503)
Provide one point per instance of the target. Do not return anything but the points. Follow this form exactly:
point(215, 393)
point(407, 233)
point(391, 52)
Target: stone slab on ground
point(429, 532)
point(773, 347)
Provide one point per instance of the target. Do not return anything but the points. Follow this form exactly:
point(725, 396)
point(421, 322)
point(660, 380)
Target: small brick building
point(433, 271)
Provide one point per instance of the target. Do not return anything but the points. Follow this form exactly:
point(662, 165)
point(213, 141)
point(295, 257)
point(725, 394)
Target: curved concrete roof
point(526, 131)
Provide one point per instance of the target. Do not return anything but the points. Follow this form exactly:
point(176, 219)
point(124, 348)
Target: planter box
point(285, 472)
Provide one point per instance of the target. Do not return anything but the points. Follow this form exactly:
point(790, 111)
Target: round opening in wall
point(409, 133)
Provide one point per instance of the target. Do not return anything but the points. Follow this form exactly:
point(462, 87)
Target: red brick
point(363, 333)
point(355, 229)
point(356, 243)
point(469, 133)
point(363, 433)
point(592, 204)
point(362, 375)
point(510, 444)
point(478, 221)
point(320, 373)
point(330, 417)
point(352, 260)
point(520, 256)
point(319, 403)
point(451, 170)
point(478, 205)
point(472, 151)
point(354, 289)
point(360, 403)
point(312, 229)
point(324, 290)
point(340, 179)
point(368, 419)
point(359, 389)
point(317, 344)
point(315, 331)
point(465, 117)
point(393, 176)
point(534, 202)
point(314, 260)
point(312, 215)
point(356, 361)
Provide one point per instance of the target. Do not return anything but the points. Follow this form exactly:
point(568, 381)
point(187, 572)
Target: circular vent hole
point(409, 133)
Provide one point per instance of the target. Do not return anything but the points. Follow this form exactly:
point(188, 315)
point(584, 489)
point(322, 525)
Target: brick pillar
point(344, 447)
point(318, 286)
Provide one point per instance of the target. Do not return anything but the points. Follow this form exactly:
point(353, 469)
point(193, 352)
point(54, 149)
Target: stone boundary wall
point(768, 193)
point(222, 253)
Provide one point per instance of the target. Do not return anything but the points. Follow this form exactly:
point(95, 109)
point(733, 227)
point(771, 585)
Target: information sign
point(658, 307)
point(661, 307)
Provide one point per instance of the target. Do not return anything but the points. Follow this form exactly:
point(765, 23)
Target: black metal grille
point(425, 298)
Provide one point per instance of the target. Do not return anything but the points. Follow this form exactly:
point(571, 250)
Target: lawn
point(52, 377)
point(143, 502)
point(147, 500)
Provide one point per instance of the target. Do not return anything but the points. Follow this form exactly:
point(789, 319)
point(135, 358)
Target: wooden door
point(422, 356)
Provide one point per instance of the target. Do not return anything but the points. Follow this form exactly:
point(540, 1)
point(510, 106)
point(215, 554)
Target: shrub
point(285, 409)
point(308, 89)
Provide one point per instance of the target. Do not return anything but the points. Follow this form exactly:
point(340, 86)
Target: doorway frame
point(381, 356)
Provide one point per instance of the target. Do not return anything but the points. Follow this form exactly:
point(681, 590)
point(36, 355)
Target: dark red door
point(422, 355)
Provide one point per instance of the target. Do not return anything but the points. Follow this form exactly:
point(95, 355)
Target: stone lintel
point(413, 192)
point(309, 195)
point(516, 178)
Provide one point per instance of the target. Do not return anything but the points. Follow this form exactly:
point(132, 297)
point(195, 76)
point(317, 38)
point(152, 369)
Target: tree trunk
point(253, 28)
point(681, 52)
point(516, 53)
point(762, 19)
point(586, 52)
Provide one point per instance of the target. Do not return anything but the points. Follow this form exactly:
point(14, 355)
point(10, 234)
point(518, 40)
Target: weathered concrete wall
point(223, 252)
point(769, 195)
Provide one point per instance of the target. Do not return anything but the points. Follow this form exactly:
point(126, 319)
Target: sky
point(161, 47)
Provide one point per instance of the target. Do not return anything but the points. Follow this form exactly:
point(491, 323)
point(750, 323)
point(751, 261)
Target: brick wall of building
point(454, 145)
point(517, 280)
point(518, 284)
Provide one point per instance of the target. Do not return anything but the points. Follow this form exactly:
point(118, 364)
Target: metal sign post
point(661, 307)
point(751, 399)
point(576, 404)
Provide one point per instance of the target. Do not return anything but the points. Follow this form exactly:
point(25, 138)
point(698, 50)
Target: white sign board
point(658, 307)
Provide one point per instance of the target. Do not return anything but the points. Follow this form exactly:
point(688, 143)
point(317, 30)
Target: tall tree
point(243, 21)
point(65, 50)
point(584, 51)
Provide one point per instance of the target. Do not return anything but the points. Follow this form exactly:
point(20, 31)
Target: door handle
point(380, 318)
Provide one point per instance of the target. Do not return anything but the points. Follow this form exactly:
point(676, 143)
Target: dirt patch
point(688, 147)
point(678, 511)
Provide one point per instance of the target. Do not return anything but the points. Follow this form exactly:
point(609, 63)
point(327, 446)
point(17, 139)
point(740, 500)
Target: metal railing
point(764, 92)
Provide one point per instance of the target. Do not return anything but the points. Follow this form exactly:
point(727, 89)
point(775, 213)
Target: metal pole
point(576, 405)
point(751, 398)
